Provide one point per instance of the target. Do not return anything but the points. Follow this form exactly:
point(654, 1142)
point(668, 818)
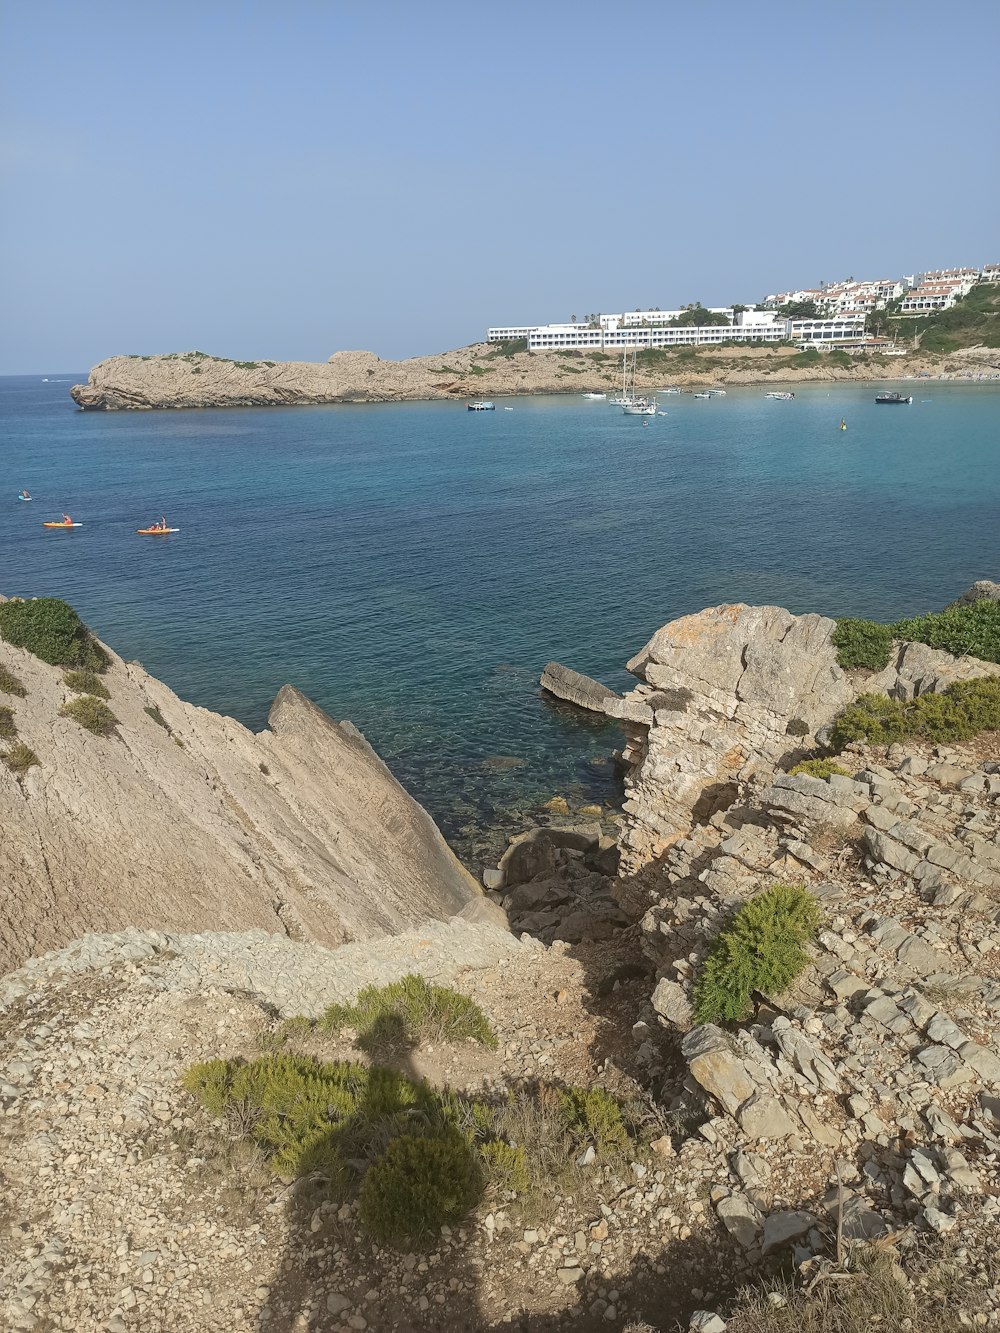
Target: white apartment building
point(935, 296)
point(508, 334)
point(750, 326)
point(989, 273)
point(969, 275)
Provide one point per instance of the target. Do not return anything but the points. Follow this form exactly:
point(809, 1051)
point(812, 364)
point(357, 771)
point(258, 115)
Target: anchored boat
point(482, 407)
point(893, 398)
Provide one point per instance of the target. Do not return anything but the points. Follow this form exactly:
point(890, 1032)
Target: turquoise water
point(413, 566)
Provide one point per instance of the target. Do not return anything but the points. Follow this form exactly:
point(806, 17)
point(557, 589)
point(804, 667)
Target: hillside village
point(850, 315)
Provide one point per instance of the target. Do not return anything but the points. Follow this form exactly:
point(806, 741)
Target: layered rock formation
point(185, 820)
point(886, 1052)
point(731, 694)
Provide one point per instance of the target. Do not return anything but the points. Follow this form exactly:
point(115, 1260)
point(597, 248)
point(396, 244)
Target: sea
point(413, 566)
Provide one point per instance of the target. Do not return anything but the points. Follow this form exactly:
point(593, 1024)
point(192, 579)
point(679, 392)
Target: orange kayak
point(62, 525)
point(155, 532)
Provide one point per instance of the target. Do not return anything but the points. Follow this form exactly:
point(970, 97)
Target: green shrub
point(86, 682)
point(19, 758)
point(819, 768)
point(92, 714)
point(594, 1116)
point(506, 1166)
point(419, 1185)
point(762, 949)
point(298, 1110)
point(8, 727)
point(9, 684)
point(960, 712)
point(52, 631)
point(862, 643)
point(972, 630)
point(407, 1010)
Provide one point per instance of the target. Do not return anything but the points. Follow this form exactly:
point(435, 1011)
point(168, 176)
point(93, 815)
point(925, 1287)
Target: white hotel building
point(640, 329)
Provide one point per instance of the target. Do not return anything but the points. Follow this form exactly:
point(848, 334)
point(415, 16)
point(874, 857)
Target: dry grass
point(927, 1288)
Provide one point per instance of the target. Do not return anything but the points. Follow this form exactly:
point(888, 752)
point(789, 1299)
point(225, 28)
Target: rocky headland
point(181, 819)
point(845, 1127)
point(482, 370)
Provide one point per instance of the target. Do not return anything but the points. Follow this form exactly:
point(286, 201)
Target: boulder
point(981, 591)
point(670, 1000)
point(575, 688)
point(785, 1226)
point(716, 1066)
point(741, 1218)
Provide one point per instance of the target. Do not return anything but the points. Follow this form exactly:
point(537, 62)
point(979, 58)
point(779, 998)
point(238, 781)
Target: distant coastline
point(484, 370)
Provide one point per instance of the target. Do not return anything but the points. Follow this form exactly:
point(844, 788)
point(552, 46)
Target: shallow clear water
point(413, 566)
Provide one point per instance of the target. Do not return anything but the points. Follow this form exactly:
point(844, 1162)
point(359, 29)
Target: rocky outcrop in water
point(732, 694)
point(185, 820)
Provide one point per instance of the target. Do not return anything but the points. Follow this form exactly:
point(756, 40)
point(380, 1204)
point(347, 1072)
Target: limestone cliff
point(195, 379)
point(185, 820)
point(731, 694)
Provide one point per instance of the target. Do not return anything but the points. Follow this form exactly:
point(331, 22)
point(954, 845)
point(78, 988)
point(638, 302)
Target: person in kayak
point(25, 495)
point(67, 520)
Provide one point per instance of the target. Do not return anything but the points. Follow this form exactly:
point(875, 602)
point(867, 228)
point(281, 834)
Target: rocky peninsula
point(680, 1124)
point(196, 379)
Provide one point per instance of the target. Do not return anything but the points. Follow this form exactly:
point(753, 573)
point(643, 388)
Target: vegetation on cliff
point(52, 630)
point(964, 631)
point(958, 713)
point(762, 949)
point(9, 684)
point(92, 713)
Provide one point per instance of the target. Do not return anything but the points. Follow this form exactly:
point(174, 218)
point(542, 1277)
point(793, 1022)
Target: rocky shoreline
point(198, 380)
point(855, 1113)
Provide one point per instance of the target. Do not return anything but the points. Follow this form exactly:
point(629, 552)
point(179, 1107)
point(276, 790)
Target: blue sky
point(285, 181)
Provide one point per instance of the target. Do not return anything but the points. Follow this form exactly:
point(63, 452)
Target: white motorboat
point(716, 393)
point(671, 389)
point(595, 397)
point(782, 397)
point(482, 407)
point(703, 395)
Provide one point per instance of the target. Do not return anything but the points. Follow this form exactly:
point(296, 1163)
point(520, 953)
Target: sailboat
point(631, 403)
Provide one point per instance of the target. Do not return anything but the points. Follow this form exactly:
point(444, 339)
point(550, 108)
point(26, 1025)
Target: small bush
point(819, 768)
point(407, 1010)
point(92, 714)
point(797, 726)
point(762, 949)
point(8, 727)
point(86, 682)
point(960, 712)
point(862, 643)
point(153, 712)
point(53, 631)
point(506, 1166)
point(972, 630)
point(419, 1185)
point(595, 1116)
point(9, 684)
point(19, 758)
